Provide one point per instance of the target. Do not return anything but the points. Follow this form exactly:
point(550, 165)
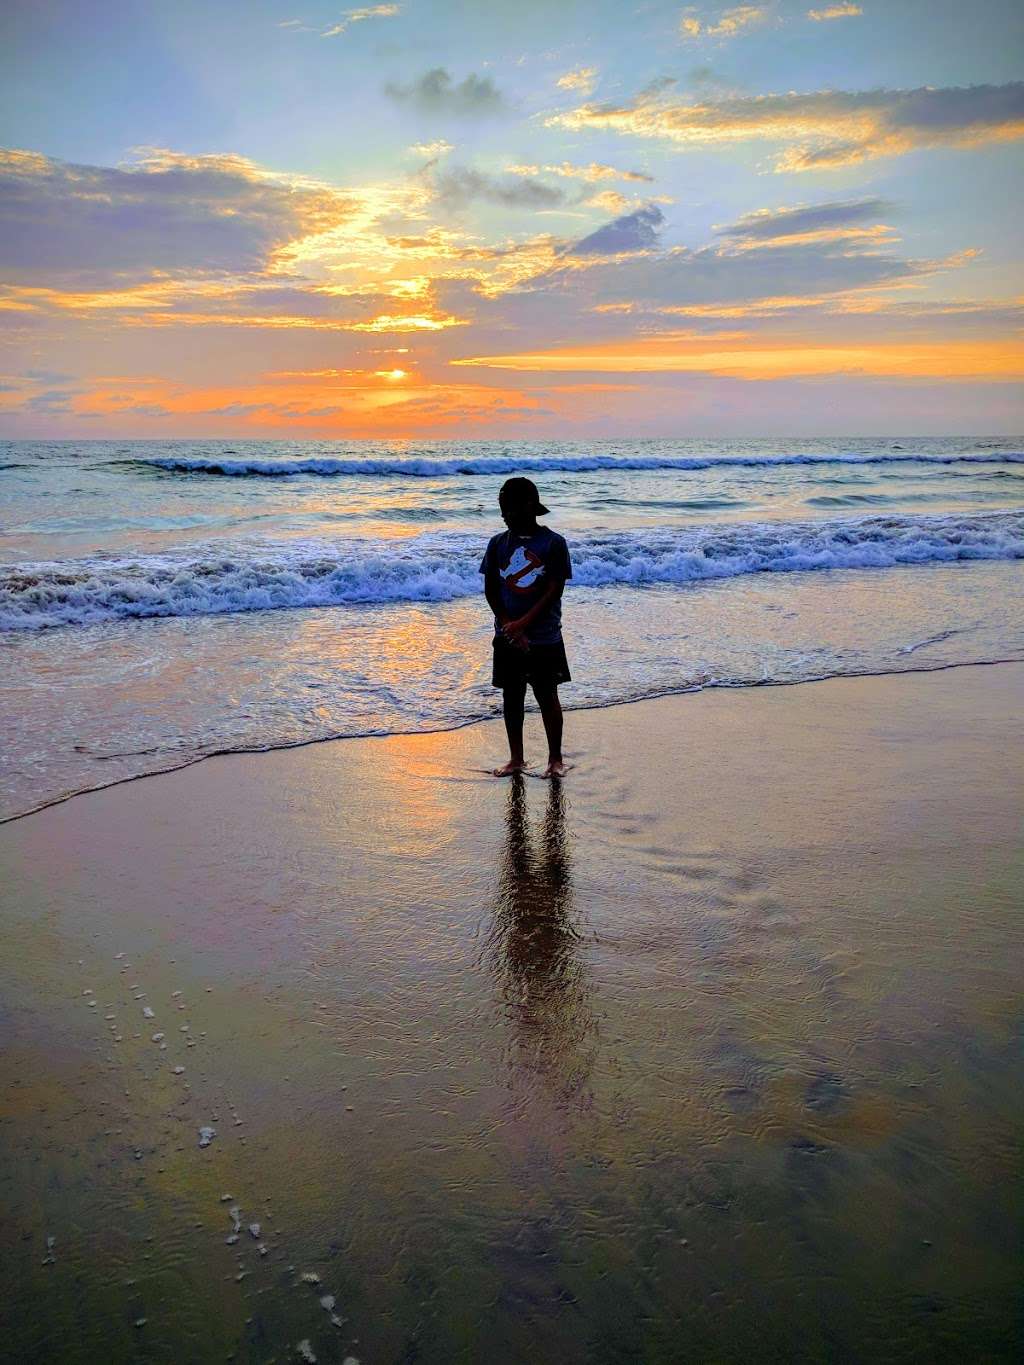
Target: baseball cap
point(522, 491)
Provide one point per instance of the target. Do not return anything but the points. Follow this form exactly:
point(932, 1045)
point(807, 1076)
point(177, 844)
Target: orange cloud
point(382, 406)
point(688, 354)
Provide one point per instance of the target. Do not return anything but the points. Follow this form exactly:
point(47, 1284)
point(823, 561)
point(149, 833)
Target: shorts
point(540, 665)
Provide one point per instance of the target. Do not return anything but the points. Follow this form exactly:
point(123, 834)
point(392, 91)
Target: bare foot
point(556, 768)
point(514, 765)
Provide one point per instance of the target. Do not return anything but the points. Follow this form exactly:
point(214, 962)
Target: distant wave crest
point(576, 464)
point(441, 568)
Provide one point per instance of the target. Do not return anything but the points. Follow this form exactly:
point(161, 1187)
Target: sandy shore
point(710, 1052)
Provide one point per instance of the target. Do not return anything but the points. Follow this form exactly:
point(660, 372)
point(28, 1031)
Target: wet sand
point(709, 1053)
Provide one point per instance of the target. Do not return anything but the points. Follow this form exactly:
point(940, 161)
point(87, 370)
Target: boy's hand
point(515, 634)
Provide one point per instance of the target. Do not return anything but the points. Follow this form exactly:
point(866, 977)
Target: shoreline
point(484, 720)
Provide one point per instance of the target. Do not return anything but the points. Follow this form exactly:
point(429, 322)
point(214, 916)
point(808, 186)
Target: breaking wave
point(441, 567)
point(577, 464)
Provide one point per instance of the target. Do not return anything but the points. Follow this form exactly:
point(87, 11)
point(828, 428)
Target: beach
point(374, 381)
point(709, 1052)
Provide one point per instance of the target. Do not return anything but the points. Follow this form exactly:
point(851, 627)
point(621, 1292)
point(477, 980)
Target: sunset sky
point(512, 220)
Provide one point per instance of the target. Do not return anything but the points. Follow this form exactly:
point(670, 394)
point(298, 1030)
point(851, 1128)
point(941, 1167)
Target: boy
point(525, 569)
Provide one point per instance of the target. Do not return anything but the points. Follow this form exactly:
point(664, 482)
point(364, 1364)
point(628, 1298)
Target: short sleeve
point(488, 559)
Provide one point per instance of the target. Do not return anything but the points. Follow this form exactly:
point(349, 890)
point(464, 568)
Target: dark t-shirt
point(526, 566)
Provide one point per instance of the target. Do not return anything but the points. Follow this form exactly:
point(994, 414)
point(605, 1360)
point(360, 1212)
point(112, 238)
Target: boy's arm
point(508, 628)
point(516, 630)
point(492, 591)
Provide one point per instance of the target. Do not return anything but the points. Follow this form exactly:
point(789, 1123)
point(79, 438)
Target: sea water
point(164, 600)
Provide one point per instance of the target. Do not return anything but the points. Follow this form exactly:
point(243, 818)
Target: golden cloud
point(823, 130)
point(593, 173)
point(583, 79)
point(834, 12)
point(733, 21)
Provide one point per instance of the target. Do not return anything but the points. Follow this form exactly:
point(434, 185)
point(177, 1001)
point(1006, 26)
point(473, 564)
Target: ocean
point(161, 601)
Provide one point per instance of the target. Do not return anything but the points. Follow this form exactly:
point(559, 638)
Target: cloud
point(374, 404)
point(674, 353)
point(851, 220)
point(825, 129)
point(433, 150)
point(635, 232)
point(357, 16)
point(460, 186)
point(609, 201)
point(47, 376)
point(167, 215)
point(731, 22)
point(196, 304)
point(715, 278)
point(761, 281)
point(583, 79)
point(834, 12)
point(50, 401)
point(592, 173)
point(434, 93)
point(773, 223)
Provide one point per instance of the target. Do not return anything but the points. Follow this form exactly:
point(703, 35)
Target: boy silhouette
point(525, 569)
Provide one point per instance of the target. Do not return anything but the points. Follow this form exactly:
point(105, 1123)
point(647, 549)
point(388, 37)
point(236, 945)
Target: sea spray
point(442, 567)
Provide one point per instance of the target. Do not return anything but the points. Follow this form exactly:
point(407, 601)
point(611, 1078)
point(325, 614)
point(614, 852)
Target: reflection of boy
point(525, 569)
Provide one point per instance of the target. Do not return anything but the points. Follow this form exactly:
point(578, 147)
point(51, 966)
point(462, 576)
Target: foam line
point(442, 567)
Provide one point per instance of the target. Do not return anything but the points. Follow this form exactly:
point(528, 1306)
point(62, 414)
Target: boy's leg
point(551, 714)
point(513, 696)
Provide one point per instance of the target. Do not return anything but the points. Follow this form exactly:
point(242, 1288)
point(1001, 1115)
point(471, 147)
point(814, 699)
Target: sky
point(510, 220)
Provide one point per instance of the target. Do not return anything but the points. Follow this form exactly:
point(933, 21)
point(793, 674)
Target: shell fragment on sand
point(206, 1135)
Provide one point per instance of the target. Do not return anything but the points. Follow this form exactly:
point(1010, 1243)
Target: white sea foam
point(419, 468)
point(443, 567)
